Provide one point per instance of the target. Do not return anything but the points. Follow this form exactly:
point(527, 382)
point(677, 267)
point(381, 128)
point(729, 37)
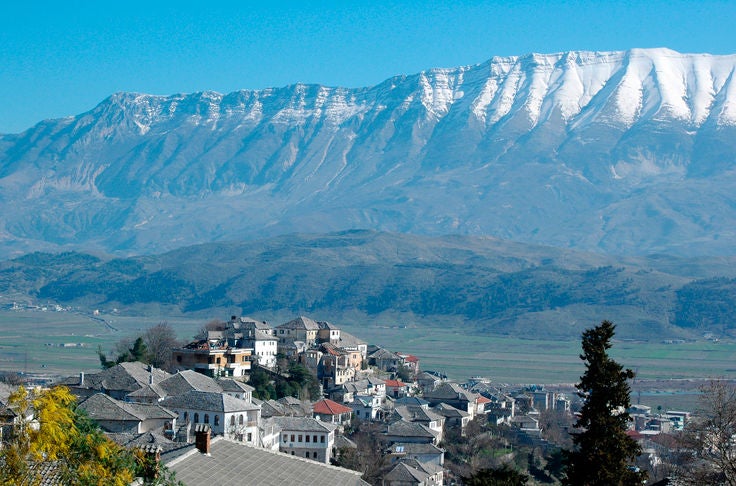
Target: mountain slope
point(367, 277)
point(628, 152)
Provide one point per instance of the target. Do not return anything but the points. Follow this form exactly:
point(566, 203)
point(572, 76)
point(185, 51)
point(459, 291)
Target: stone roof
point(347, 340)
point(328, 407)
point(128, 377)
point(415, 448)
point(169, 448)
point(234, 386)
point(46, 473)
point(231, 463)
point(342, 442)
point(187, 380)
point(411, 401)
point(405, 474)
point(103, 407)
point(300, 323)
point(417, 414)
point(327, 325)
point(445, 392)
point(449, 411)
point(260, 335)
point(304, 424)
point(272, 408)
point(209, 401)
point(149, 391)
point(402, 428)
point(383, 354)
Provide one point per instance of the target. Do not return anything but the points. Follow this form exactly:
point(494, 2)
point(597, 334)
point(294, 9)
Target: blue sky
point(62, 58)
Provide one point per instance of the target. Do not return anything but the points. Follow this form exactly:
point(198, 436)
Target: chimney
point(202, 434)
point(152, 454)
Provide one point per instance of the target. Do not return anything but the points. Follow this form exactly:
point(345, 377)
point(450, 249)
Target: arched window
point(196, 418)
point(206, 418)
point(186, 416)
point(240, 419)
point(232, 419)
point(217, 420)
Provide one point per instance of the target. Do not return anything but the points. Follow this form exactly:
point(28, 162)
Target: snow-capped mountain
point(628, 152)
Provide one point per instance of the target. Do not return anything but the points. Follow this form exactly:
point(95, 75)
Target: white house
point(226, 415)
point(306, 437)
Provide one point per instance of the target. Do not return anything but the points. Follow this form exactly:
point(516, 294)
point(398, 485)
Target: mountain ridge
point(625, 152)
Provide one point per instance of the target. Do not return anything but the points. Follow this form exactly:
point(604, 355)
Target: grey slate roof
point(417, 414)
point(121, 377)
point(406, 474)
point(272, 408)
point(446, 391)
point(415, 448)
point(233, 463)
point(301, 323)
point(187, 380)
point(149, 391)
point(342, 442)
point(402, 428)
point(448, 411)
point(169, 448)
point(209, 401)
point(411, 401)
point(103, 407)
point(348, 340)
point(234, 386)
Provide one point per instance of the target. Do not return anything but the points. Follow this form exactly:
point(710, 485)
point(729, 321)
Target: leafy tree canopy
point(62, 438)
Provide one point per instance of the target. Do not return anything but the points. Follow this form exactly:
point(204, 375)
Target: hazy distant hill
point(365, 276)
point(621, 152)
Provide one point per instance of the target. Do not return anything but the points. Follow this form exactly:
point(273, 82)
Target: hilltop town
point(278, 404)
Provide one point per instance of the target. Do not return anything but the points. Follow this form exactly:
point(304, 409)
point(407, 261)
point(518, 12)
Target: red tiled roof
point(410, 358)
point(482, 399)
point(395, 383)
point(328, 407)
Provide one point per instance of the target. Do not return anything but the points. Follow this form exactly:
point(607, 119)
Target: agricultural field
point(66, 343)
point(36, 341)
point(515, 360)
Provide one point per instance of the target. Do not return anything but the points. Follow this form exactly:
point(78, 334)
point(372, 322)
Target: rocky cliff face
point(625, 152)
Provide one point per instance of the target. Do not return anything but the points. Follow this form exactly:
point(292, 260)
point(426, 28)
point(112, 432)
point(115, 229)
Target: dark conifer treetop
point(603, 453)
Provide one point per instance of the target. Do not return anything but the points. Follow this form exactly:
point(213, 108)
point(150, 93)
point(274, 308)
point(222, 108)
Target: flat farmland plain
point(66, 343)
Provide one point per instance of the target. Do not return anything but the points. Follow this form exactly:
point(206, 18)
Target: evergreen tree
point(603, 453)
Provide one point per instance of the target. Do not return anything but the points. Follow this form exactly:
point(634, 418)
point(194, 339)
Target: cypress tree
point(603, 453)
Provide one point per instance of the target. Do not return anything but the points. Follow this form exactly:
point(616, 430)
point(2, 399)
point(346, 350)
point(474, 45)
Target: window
point(217, 420)
point(292, 437)
point(232, 419)
point(196, 418)
point(292, 453)
point(315, 439)
point(307, 438)
point(322, 439)
point(206, 418)
point(306, 454)
point(250, 437)
point(314, 454)
point(300, 437)
point(186, 416)
point(286, 438)
point(240, 419)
